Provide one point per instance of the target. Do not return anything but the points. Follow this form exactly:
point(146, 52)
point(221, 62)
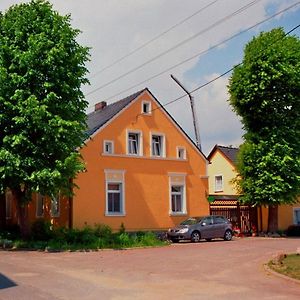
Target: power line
point(221, 75)
point(202, 52)
point(153, 39)
point(243, 8)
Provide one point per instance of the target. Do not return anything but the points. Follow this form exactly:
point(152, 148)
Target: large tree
point(42, 107)
point(265, 93)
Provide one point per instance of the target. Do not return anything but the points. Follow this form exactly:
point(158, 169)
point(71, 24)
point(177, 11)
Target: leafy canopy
point(42, 118)
point(265, 93)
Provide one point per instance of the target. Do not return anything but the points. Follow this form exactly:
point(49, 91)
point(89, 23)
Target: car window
point(191, 221)
point(208, 220)
point(219, 220)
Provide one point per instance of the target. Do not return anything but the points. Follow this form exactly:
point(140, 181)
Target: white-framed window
point(218, 183)
point(146, 107)
point(115, 195)
point(114, 198)
point(134, 143)
point(177, 194)
point(40, 202)
point(55, 206)
point(8, 204)
point(176, 198)
point(158, 145)
point(181, 153)
point(296, 213)
point(108, 147)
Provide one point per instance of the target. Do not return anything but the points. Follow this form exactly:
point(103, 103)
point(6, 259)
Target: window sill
point(177, 214)
point(115, 214)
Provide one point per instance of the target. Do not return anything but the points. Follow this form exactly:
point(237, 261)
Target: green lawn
point(290, 266)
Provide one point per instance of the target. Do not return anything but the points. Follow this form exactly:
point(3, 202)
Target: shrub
point(149, 239)
point(102, 231)
point(41, 230)
point(293, 230)
point(125, 240)
point(122, 228)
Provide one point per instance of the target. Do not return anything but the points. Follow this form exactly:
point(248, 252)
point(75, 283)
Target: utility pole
point(195, 121)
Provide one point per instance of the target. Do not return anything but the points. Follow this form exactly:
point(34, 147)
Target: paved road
point(215, 270)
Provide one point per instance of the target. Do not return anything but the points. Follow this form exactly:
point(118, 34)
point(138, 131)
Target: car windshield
point(191, 221)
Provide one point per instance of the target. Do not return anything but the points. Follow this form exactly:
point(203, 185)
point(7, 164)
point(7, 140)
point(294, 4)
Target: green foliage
point(41, 230)
point(88, 238)
point(122, 228)
point(42, 116)
point(264, 92)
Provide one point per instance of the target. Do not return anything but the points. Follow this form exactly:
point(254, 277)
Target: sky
point(183, 38)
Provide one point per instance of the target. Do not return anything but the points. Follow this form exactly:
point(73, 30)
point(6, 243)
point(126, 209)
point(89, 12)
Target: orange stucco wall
point(62, 220)
point(285, 216)
point(146, 179)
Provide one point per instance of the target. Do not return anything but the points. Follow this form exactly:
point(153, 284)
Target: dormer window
point(108, 147)
point(146, 107)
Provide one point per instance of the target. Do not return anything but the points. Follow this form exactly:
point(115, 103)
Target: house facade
point(224, 196)
point(142, 170)
point(56, 210)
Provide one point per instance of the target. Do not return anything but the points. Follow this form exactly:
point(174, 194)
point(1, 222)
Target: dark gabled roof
point(98, 118)
point(229, 152)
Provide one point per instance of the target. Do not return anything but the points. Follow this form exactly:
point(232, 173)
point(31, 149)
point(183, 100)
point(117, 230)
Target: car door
point(219, 226)
point(206, 228)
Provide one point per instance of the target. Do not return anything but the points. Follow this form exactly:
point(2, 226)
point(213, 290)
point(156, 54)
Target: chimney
point(100, 105)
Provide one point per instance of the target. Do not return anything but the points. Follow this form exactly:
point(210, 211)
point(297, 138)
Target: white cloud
point(114, 28)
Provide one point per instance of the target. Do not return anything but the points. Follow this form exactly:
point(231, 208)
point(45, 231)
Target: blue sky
point(115, 28)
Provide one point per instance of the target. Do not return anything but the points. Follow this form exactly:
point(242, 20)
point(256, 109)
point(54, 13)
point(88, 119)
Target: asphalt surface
point(206, 270)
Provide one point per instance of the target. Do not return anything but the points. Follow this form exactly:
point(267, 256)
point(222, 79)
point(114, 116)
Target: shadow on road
point(5, 282)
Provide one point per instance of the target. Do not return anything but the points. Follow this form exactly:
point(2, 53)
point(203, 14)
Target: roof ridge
point(228, 147)
point(98, 118)
point(134, 95)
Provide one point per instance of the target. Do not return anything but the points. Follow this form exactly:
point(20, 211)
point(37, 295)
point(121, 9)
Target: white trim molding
point(149, 108)
point(178, 150)
point(162, 145)
point(177, 180)
point(117, 177)
point(112, 147)
point(217, 188)
point(140, 142)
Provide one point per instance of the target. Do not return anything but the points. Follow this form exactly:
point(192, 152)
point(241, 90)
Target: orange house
point(56, 210)
point(142, 169)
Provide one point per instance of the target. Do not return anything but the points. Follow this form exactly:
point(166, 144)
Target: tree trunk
point(273, 218)
point(22, 215)
point(2, 211)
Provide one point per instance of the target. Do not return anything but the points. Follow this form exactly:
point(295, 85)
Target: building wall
point(285, 216)
point(146, 179)
point(221, 166)
point(61, 220)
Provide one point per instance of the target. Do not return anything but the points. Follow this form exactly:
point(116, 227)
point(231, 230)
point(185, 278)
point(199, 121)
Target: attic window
point(181, 154)
point(218, 183)
point(146, 107)
point(108, 147)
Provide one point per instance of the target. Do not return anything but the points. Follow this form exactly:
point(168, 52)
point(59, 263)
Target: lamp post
point(195, 120)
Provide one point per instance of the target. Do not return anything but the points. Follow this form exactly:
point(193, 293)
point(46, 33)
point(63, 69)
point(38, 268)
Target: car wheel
point(228, 235)
point(195, 237)
point(208, 240)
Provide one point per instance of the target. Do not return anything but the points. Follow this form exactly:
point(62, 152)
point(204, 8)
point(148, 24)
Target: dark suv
point(197, 228)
